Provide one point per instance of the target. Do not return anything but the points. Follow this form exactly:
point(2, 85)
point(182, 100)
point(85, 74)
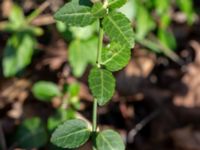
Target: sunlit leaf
point(118, 28)
point(115, 57)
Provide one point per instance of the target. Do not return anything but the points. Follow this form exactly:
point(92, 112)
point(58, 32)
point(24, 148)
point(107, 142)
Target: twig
point(42, 20)
point(37, 12)
point(141, 125)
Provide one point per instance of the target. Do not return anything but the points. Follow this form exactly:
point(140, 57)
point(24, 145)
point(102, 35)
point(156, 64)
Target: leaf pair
point(74, 133)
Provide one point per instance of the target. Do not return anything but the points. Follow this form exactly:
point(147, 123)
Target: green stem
point(94, 117)
point(99, 51)
point(100, 44)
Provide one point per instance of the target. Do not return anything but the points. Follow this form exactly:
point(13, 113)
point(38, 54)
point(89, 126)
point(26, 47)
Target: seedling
point(110, 58)
point(46, 91)
point(22, 42)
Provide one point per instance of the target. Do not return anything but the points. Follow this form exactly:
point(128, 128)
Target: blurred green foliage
point(21, 44)
point(30, 134)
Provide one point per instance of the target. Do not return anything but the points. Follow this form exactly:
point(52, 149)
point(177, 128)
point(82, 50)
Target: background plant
point(152, 20)
point(111, 57)
point(22, 41)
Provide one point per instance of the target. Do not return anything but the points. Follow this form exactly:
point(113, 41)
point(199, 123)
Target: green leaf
point(18, 53)
point(118, 28)
point(102, 85)
point(109, 140)
point(115, 57)
point(145, 23)
point(16, 17)
point(74, 89)
point(71, 134)
point(162, 7)
point(98, 10)
point(59, 117)
point(165, 21)
point(167, 38)
point(113, 4)
point(30, 134)
point(188, 9)
point(45, 91)
point(73, 95)
point(84, 33)
point(76, 13)
point(82, 53)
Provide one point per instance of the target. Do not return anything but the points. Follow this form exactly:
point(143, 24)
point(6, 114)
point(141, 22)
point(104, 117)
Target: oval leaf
point(102, 85)
point(75, 13)
point(44, 90)
point(118, 28)
point(115, 57)
point(71, 134)
point(109, 140)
